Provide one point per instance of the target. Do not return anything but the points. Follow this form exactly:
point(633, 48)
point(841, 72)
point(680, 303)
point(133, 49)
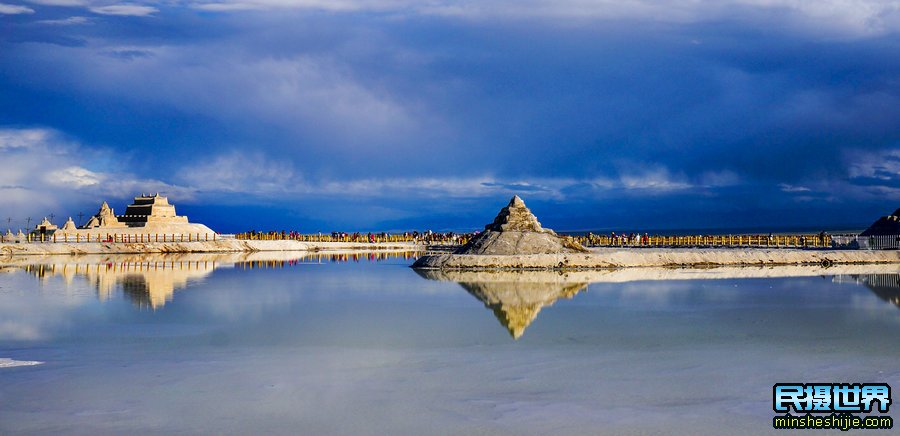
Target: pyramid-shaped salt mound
point(886, 225)
point(516, 230)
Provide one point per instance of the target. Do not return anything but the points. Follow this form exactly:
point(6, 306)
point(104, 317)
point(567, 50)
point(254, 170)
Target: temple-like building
point(148, 215)
point(9, 236)
point(105, 218)
point(151, 209)
point(69, 226)
point(44, 228)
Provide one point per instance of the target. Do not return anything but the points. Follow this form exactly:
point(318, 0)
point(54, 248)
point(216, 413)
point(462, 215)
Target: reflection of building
point(516, 298)
point(146, 284)
point(885, 286)
point(151, 280)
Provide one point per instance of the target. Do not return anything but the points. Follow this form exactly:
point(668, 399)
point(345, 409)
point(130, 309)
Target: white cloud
point(884, 165)
point(237, 172)
point(45, 173)
point(14, 9)
point(846, 17)
point(869, 176)
point(30, 313)
point(715, 179)
point(22, 138)
point(74, 177)
point(326, 5)
point(124, 10)
point(255, 174)
point(300, 93)
point(71, 3)
point(655, 179)
point(785, 187)
point(65, 21)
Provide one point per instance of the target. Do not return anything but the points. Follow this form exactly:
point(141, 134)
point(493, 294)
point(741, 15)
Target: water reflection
point(327, 257)
point(146, 284)
point(516, 297)
point(885, 286)
point(151, 281)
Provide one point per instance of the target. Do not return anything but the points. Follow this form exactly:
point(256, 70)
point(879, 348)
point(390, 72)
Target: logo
point(832, 406)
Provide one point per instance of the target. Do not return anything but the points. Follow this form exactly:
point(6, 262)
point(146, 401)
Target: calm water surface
point(368, 346)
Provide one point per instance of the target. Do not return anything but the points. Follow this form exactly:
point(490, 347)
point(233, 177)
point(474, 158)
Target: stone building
point(105, 218)
point(151, 209)
point(148, 214)
point(69, 227)
point(44, 229)
point(149, 218)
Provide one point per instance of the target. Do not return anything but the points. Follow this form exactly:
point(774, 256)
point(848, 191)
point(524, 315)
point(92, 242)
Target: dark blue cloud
point(736, 119)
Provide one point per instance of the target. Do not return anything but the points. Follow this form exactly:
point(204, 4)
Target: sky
point(377, 115)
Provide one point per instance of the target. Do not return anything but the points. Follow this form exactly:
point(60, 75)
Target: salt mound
point(516, 230)
point(886, 225)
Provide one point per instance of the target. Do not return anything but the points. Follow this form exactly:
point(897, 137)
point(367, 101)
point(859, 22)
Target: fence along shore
point(801, 240)
point(798, 240)
point(120, 238)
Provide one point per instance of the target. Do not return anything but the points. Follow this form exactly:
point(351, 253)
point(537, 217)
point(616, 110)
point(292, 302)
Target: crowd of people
point(426, 237)
point(612, 239)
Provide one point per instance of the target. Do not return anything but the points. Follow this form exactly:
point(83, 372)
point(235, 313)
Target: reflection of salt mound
point(516, 298)
point(516, 230)
point(516, 305)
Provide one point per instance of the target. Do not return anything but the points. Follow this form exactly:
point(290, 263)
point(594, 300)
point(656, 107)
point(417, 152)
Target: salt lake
point(362, 344)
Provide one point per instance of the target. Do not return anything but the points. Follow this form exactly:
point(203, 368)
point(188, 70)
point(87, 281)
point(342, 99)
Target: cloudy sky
point(397, 114)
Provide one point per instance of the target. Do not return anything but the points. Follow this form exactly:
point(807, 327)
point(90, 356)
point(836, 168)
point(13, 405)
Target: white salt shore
point(219, 246)
point(602, 258)
point(10, 363)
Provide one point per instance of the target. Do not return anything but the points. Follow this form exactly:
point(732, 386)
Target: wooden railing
point(456, 239)
point(424, 238)
point(117, 237)
point(873, 242)
point(773, 241)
